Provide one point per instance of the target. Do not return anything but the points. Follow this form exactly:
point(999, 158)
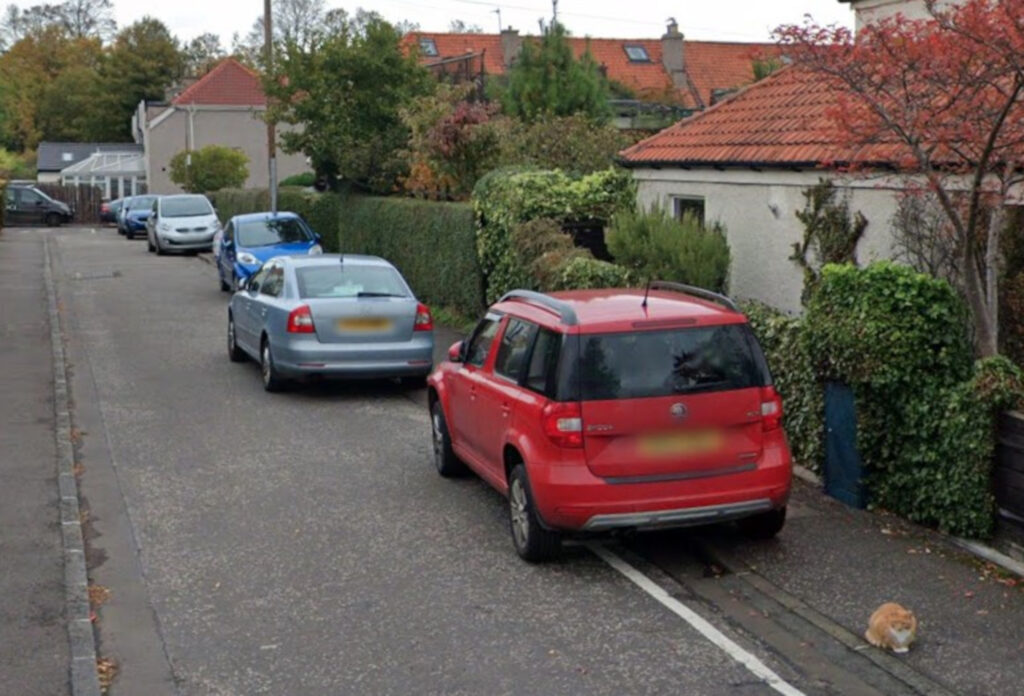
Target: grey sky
point(727, 20)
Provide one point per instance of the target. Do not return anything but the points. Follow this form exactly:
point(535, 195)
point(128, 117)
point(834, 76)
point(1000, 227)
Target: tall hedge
point(433, 245)
point(925, 413)
point(803, 403)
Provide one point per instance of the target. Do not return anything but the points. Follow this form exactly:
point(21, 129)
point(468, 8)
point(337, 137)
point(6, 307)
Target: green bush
point(925, 417)
point(586, 272)
point(925, 426)
point(210, 168)
point(507, 197)
point(305, 179)
point(803, 406)
point(654, 245)
point(887, 325)
point(945, 474)
point(432, 244)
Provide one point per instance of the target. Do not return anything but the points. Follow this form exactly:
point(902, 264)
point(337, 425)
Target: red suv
point(600, 410)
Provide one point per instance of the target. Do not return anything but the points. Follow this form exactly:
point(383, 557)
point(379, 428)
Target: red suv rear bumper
point(570, 497)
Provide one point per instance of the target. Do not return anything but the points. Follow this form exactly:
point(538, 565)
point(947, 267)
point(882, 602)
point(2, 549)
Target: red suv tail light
point(771, 409)
point(424, 321)
point(563, 424)
point(301, 321)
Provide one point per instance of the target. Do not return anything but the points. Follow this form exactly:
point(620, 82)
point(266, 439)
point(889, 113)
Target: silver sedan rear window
point(349, 281)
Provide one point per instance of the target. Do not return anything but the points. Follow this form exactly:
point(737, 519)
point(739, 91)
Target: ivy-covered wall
point(926, 414)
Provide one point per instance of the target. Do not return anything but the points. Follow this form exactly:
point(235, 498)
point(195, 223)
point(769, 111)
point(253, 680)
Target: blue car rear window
point(266, 232)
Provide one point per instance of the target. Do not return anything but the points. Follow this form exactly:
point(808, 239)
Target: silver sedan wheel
point(518, 513)
point(265, 363)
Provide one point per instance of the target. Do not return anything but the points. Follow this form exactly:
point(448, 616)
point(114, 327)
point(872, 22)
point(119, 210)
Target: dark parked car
point(109, 209)
point(26, 204)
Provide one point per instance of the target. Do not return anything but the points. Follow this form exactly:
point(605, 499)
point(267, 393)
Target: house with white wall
point(225, 107)
point(746, 162)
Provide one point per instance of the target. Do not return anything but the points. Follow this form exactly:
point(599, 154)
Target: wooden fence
point(1008, 476)
point(84, 200)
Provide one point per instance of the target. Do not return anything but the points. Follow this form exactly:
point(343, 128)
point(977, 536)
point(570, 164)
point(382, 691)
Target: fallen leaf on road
point(106, 670)
point(968, 594)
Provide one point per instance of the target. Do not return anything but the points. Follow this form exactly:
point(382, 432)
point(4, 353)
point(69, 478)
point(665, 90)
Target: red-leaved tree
point(941, 100)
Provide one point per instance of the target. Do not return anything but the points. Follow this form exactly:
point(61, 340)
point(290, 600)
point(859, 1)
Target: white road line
point(702, 626)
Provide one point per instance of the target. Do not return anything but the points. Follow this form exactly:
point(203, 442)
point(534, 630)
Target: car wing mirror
point(455, 352)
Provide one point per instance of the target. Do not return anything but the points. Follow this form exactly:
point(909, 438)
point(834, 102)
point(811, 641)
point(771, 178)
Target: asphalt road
point(302, 543)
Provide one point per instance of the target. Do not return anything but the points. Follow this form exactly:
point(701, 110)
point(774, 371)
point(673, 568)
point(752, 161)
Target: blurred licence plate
point(364, 324)
point(680, 443)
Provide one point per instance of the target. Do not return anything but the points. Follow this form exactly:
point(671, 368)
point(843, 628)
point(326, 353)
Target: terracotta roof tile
point(229, 84)
point(710, 64)
point(781, 120)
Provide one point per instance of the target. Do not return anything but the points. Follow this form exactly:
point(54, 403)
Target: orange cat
point(893, 627)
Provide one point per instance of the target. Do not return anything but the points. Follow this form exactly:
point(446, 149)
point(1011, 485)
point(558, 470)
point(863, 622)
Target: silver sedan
point(330, 316)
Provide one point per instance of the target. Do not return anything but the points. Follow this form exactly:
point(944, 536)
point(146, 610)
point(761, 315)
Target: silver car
point(330, 316)
point(185, 222)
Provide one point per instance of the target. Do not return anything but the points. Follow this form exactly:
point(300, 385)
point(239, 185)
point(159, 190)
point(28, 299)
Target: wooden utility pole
point(268, 41)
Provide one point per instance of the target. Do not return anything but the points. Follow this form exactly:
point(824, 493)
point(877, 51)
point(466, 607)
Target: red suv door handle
point(505, 410)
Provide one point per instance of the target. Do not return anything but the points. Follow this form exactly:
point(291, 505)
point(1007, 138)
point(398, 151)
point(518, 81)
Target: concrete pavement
point(34, 655)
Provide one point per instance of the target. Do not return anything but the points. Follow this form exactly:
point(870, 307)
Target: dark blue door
point(844, 473)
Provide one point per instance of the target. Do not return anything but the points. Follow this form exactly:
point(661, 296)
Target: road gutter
point(82, 641)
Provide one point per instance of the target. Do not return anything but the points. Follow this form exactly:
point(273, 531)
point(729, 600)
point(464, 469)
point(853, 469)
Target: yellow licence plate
point(680, 443)
point(364, 324)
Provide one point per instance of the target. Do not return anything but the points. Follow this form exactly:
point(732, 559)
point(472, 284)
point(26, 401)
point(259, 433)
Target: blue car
point(250, 240)
point(135, 214)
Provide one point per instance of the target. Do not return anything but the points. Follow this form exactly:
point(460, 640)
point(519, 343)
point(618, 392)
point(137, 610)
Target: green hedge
point(433, 245)
point(925, 413)
point(803, 406)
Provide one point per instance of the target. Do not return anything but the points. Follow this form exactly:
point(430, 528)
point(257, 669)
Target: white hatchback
point(182, 223)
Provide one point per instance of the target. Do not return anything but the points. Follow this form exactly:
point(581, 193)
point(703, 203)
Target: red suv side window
point(541, 375)
point(514, 349)
point(483, 337)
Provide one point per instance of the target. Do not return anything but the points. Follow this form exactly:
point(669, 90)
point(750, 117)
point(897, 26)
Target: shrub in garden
point(210, 168)
point(654, 245)
point(586, 272)
point(506, 198)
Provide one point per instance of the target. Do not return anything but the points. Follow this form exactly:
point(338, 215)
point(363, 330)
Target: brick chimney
point(511, 45)
point(672, 55)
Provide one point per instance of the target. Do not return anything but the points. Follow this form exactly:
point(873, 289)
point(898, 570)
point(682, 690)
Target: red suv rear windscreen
point(646, 364)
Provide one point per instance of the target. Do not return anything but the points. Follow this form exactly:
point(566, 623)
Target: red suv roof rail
point(562, 309)
point(695, 291)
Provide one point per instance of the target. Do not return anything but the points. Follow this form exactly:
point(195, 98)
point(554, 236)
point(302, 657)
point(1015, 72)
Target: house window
point(428, 47)
point(66, 157)
point(637, 54)
point(688, 205)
